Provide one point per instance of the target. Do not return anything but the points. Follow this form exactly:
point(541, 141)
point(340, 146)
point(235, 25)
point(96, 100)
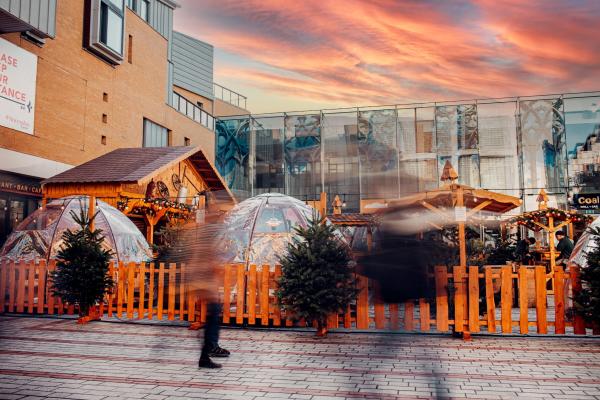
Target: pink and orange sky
point(311, 54)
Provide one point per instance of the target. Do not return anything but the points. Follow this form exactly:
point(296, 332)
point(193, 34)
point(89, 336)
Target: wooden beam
point(436, 210)
point(479, 207)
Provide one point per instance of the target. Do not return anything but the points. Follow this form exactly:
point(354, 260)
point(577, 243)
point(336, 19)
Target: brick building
point(79, 79)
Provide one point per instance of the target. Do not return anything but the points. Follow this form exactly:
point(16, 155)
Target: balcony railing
point(193, 111)
point(229, 96)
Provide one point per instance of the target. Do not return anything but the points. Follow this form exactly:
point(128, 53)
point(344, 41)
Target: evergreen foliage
point(317, 277)
point(588, 301)
point(81, 275)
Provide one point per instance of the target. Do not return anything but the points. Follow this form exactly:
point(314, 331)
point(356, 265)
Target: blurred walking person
point(198, 247)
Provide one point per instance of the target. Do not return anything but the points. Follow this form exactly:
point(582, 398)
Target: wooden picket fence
point(462, 298)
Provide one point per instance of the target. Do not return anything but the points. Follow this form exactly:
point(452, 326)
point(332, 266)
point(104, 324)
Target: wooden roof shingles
point(139, 164)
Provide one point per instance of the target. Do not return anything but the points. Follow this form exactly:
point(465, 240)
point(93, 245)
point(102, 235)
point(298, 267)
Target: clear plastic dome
point(39, 236)
point(258, 230)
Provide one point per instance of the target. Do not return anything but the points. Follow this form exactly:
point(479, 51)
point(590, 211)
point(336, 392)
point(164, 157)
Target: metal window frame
point(94, 42)
point(139, 9)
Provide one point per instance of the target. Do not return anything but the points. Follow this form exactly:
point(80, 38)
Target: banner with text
point(18, 71)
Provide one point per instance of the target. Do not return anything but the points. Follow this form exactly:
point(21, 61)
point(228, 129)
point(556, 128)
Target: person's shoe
point(208, 363)
point(219, 352)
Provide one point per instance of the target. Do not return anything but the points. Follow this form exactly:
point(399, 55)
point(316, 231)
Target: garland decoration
point(530, 218)
point(151, 207)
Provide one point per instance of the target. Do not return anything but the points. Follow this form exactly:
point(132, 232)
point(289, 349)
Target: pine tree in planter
point(81, 275)
point(317, 278)
point(588, 301)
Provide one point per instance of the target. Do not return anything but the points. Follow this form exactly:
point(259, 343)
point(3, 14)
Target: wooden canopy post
point(150, 234)
point(462, 240)
point(92, 211)
point(551, 231)
point(323, 204)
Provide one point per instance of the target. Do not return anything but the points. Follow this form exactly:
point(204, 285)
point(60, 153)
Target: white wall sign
point(18, 71)
point(460, 214)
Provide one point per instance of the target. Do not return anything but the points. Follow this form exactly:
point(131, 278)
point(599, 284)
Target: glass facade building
point(515, 146)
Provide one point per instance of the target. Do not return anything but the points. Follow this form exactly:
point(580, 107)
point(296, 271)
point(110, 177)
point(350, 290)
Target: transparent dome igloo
point(39, 236)
point(258, 230)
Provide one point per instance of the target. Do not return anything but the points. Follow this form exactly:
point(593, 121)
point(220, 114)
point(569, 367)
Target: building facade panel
point(192, 65)
point(40, 15)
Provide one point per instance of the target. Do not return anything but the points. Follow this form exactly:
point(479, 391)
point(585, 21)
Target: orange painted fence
point(500, 299)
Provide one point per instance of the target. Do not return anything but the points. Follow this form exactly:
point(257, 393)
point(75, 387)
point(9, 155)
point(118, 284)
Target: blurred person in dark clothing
point(198, 248)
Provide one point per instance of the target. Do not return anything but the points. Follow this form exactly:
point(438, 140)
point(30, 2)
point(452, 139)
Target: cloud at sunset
point(312, 54)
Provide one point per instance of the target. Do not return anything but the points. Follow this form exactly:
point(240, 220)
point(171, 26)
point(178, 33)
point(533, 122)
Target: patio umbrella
point(454, 204)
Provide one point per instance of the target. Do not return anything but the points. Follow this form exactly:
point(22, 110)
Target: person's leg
point(211, 336)
point(211, 329)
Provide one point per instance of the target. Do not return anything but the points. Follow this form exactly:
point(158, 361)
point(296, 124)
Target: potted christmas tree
point(81, 275)
point(317, 277)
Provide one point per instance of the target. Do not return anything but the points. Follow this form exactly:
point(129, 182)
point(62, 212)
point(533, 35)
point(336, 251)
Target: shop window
point(17, 212)
point(105, 23)
point(155, 135)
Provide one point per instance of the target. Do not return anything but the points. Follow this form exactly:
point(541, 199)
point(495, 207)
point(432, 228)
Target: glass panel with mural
point(457, 141)
point(302, 153)
point(543, 150)
point(498, 147)
point(341, 159)
point(233, 154)
point(582, 118)
point(269, 163)
point(378, 146)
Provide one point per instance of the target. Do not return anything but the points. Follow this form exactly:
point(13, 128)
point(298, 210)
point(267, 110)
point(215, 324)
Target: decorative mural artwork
point(457, 140)
point(232, 152)
point(377, 142)
point(542, 142)
point(467, 126)
point(456, 128)
point(557, 176)
point(445, 129)
point(302, 142)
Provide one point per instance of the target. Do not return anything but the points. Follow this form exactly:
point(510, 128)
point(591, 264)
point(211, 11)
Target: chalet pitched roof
point(139, 165)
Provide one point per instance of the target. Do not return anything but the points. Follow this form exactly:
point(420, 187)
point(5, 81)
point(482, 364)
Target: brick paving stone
point(54, 358)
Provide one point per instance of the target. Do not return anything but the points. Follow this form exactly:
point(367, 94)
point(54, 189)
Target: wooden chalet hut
point(149, 184)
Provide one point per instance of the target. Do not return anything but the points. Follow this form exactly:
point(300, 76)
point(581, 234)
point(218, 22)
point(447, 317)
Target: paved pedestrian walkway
point(55, 358)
